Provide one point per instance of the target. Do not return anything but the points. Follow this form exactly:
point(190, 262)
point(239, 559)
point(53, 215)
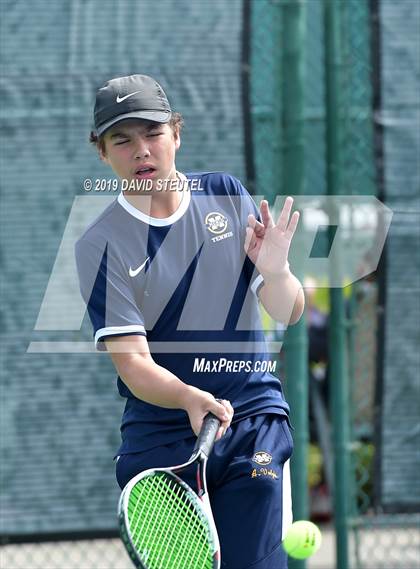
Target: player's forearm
point(154, 384)
point(282, 297)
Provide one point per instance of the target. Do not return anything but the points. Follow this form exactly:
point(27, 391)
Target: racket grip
point(205, 439)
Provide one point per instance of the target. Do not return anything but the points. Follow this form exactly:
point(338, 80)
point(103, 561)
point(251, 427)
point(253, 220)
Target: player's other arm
point(267, 245)
point(288, 288)
point(155, 384)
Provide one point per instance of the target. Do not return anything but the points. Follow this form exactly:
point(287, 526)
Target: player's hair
point(176, 122)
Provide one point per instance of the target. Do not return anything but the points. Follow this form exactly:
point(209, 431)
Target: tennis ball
point(302, 540)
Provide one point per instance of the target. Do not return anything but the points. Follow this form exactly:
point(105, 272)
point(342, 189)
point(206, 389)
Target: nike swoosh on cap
point(135, 272)
point(121, 99)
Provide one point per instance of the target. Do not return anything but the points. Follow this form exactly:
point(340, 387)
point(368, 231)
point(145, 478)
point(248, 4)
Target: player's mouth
point(145, 172)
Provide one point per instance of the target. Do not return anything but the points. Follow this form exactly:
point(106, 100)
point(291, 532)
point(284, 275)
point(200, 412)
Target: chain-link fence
point(384, 538)
point(60, 412)
point(368, 48)
point(70, 554)
point(380, 539)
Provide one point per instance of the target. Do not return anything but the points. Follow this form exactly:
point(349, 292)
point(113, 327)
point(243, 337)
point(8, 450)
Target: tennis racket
point(164, 524)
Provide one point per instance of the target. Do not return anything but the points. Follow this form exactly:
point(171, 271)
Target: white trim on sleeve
point(118, 330)
point(257, 282)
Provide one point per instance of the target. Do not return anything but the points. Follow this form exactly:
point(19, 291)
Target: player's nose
point(141, 147)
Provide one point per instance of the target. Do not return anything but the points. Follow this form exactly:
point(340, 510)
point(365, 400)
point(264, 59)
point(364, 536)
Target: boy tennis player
point(171, 273)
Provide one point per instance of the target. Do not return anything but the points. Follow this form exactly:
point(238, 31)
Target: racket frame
point(201, 500)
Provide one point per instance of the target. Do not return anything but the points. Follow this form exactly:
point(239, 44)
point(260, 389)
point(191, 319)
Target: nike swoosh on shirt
point(121, 99)
point(134, 273)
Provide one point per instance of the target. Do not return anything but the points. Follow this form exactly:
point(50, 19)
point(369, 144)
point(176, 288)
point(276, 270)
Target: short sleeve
point(108, 295)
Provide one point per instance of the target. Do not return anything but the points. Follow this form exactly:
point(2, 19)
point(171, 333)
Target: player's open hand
point(267, 243)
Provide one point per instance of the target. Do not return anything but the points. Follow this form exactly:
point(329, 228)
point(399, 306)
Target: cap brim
point(157, 116)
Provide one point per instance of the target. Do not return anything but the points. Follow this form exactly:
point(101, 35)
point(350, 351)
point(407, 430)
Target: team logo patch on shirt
point(262, 457)
point(216, 222)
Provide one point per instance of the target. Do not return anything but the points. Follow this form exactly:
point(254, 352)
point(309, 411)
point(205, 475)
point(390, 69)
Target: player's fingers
point(292, 225)
point(248, 236)
point(250, 239)
point(283, 219)
point(219, 410)
point(220, 433)
point(265, 214)
point(227, 421)
point(256, 225)
point(228, 407)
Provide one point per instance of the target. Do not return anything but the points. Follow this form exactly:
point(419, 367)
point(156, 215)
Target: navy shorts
point(248, 480)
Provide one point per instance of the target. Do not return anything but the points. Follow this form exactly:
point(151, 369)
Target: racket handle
point(205, 439)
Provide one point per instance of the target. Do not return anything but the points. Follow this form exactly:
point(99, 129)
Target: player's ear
point(102, 152)
point(177, 138)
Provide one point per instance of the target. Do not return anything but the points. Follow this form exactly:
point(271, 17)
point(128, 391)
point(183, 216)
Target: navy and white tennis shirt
point(186, 284)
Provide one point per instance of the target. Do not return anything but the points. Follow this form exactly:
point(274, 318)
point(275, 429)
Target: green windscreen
point(61, 412)
point(166, 526)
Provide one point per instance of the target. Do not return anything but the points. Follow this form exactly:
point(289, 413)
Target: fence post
point(296, 342)
point(338, 376)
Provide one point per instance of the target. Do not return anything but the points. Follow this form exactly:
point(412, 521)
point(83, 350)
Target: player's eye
point(154, 134)
point(121, 142)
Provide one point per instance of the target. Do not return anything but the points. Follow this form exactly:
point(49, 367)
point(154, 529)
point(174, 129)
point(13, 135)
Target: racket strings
point(181, 537)
point(167, 529)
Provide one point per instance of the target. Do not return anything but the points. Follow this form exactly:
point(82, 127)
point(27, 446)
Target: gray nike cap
point(131, 97)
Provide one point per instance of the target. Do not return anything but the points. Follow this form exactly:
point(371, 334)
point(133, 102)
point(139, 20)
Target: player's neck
point(159, 202)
